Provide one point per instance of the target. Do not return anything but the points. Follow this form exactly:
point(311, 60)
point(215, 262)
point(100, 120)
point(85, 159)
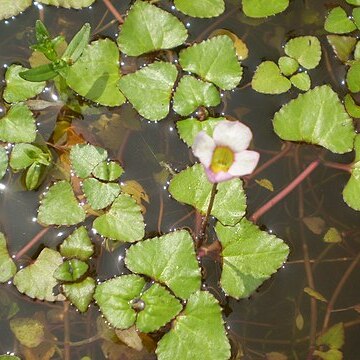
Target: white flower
point(224, 156)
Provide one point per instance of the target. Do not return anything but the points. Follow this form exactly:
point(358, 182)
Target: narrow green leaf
point(11, 8)
point(264, 8)
point(77, 44)
point(39, 74)
point(338, 22)
point(34, 176)
point(314, 294)
point(80, 294)
point(71, 270)
point(3, 162)
point(41, 32)
point(7, 265)
point(201, 9)
point(77, 245)
point(108, 171)
point(69, 4)
point(98, 194)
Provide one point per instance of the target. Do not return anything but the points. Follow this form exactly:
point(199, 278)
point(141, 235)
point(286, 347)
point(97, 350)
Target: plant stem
point(66, 331)
point(339, 166)
point(286, 191)
point(31, 243)
point(112, 9)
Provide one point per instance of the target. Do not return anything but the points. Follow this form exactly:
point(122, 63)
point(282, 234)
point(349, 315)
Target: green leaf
point(24, 155)
point(302, 81)
point(314, 294)
point(202, 316)
point(77, 245)
point(343, 46)
point(123, 301)
point(192, 187)
point(148, 28)
point(71, 270)
point(7, 265)
point(203, 59)
point(80, 294)
point(201, 9)
point(3, 162)
point(264, 8)
point(60, 206)
point(170, 260)
point(250, 256)
point(268, 79)
point(123, 222)
point(108, 171)
point(331, 354)
point(351, 192)
point(332, 236)
point(98, 194)
point(29, 332)
point(9, 357)
point(192, 93)
point(351, 107)
point(288, 65)
point(353, 2)
point(149, 89)
point(34, 176)
point(96, 75)
point(11, 8)
point(189, 128)
point(37, 280)
point(85, 157)
point(334, 337)
point(40, 73)
point(356, 17)
point(18, 89)
point(317, 117)
point(73, 4)
point(77, 44)
point(18, 125)
point(306, 50)
point(338, 22)
point(353, 77)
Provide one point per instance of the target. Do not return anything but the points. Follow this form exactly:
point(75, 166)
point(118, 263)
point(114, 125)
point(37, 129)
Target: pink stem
point(339, 166)
point(112, 9)
point(286, 191)
point(31, 243)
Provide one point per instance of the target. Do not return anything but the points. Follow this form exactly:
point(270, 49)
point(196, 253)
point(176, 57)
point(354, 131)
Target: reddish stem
point(112, 9)
point(286, 191)
point(31, 243)
point(339, 166)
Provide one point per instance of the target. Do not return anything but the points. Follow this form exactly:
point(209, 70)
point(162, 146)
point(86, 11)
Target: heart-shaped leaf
point(30, 332)
point(11, 8)
point(268, 79)
point(108, 171)
point(334, 337)
point(338, 22)
point(148, 28)
point(302, 81)
point(288, 65)
point(80, 294)
point(353, 77)
point(317, 117)
point(123, 222)
point(149, 89)
point(37, 280)
point(71, 270)
point(169, 259)
point(7, 265)
point(203, 59)
point(264, 8)
point(60, 207)
point(201, 9)
point(69, 4)
point(343, 46)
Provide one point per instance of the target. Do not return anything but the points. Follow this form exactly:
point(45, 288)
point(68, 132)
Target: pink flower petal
point(218, 177)
point(203, 148)
point(232, 134)
point(245, 163)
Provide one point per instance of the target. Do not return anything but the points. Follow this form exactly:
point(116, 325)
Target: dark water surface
point(265, 322)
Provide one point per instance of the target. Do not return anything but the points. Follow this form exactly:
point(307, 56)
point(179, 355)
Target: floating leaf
point(356, 17)
point(334, 337)
point(189, 128)
point(343, 46)
point(29, 332)
point(357, 51)
point(317, 117)
point(71, 270)
point(169, 259)
point(192, 93)
point(264, 8)
point(288, 65)
point(73, 4)
point(201, 9)
point(17, 89)
point(9, 357)
point(123, 222)
point(95, 75)
point(265, 183)
point(80, 294)
point(314, 294)
point(306, 50)
point(192, 187)
point(7, 265)
point(60, 207)
point(149, 89)
point(98, 194)
point(353, 77)
point(250, 256)
point(148, 28)
point(108, 171)
point(353, 2)
point(351, 192)
point(11, 8)
point(77, 44)
point(85, 157)
point(3, 162)
point(268, 79)
point(351, 107)
point(338, 22)
point(77, 245)
point(332, 236)
point(37, 280)
point(315, 224)
point(203, 59)
point(332, 354)
point(24, 155)
point(18, 125)
point(123, 302)
point(302, 81)
point(203, 316)
point(241, 48)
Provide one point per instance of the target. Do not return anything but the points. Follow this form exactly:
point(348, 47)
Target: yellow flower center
point(223, 158)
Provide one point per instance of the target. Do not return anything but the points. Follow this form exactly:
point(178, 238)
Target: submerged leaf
point(37, 280)
point(265, 183)
point(317, 117)
point(192, 187)
point(148, 28)
point(332, 236)
point(80, 294)
point(201, 9)
point(169, 259)
point(98, 194)
point(264, 8)
point(334, 337)
point(338, 22)
point(77, 245)
point(315, 224)
point(29, 332)
point(203, 59)
point(332, 354)
point(73, 4)
point(343, 46)
point(3, 162)
point(131, 338)
point(250, 256)
point(7, 265)
point(202, 315)
point(11, 8)
point(314, 294)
